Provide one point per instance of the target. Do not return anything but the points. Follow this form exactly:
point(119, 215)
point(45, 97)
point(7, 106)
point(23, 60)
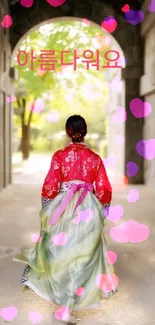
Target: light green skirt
point(69, 265)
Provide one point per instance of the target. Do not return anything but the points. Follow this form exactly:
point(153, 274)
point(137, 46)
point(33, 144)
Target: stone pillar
point(147, 88)
point(1, 142)
point(5, 107)
point(134, 126)
point(115, 100)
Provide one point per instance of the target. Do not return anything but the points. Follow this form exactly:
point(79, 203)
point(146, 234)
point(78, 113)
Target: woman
point(68, 265)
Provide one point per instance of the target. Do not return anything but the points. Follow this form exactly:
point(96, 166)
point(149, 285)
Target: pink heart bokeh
point(133, 196)
point(62, 313)
point(116, 84)
point(146, 149)
point(107, 282)
point(53, 116)
point(11, 99)
point(69, 97)
point(101, 42)
point(111, 257)
point(35, 318)
point(115, 213)
point(130, 231)
point(9, 313)
point(76, 220)
point(134, 17)
point(38, 105)
point(60, 239)
point(120, 139)
point(110, 161)
point(79, 291)
point(132, 169)
point(119, 116)
point(151, 7)
point(139, 108)
point(86, 215)
point(86, 21)
point(7, 21)
point(125, 8)
point(56, 3)
point(83, 216)
point(26, 3)
point(109, 24)
point(35, 238)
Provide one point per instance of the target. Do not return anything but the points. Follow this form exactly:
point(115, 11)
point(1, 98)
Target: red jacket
point(77, 162)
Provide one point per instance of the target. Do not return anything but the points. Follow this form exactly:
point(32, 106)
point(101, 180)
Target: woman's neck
point(81, 142)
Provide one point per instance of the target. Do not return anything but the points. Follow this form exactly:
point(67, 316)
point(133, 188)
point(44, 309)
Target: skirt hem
point(31, 286)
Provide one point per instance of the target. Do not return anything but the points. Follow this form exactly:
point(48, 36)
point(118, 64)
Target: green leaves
point(60, 36)
point(63, 89)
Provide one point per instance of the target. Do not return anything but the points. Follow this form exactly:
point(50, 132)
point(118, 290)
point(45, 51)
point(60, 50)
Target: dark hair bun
point(77, 137)
point(76, 128)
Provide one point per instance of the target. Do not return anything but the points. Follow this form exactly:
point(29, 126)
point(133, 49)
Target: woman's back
point(68, 265)
point(77, 162)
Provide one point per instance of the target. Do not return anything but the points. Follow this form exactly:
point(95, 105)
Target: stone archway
point(128, 37)
point(116, 99)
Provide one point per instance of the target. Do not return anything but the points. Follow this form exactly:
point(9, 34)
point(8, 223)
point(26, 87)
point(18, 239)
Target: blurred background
point(43, 99)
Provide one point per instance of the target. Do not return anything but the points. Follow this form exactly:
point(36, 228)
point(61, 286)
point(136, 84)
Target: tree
point(35, 83)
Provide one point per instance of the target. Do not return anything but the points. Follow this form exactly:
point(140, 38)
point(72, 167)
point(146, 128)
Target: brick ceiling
point(116, 4)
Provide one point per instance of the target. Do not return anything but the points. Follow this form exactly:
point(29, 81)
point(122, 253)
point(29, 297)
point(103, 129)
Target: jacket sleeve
point(51, 185)
point(103, 189)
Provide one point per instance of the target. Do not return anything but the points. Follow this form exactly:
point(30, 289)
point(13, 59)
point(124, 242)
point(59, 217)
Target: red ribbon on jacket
point(68, 197)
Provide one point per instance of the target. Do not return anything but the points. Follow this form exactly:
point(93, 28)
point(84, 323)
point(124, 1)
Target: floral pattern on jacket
point(77, 162)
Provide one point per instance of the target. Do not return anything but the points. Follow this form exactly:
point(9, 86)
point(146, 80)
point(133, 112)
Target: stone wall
point(5, 107)
point(148, 86)
point(116, 99)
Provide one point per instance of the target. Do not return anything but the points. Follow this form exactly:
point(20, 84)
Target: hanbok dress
point(69, 265)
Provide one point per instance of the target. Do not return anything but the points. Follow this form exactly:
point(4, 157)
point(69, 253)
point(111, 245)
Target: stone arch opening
point(116, 96)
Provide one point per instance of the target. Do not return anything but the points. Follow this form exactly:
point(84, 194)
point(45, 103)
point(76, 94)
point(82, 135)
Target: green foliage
point(103, 148)
point(56, 85)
